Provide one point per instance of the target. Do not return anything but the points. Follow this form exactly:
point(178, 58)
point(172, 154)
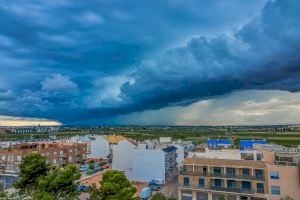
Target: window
point(231, 184)
point(186, 181)
point(230, 171)
point(201, 182)
point(246, 185)
point(275, 190)
point(246, 172)
point(19, 158)
point(217, 171)
point(258, 173)
point(260, 187)
point(274, 175)
point(218, 183)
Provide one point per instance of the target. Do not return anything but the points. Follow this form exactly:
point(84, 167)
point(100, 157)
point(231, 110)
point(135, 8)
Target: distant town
point(184, 163)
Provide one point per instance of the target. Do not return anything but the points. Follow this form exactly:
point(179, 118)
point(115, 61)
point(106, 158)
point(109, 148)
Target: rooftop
point(114, 139)
point(224, 162)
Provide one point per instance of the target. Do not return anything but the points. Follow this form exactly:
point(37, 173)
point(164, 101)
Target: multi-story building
point(57, 154)
point(273, 177)
point(206, 179)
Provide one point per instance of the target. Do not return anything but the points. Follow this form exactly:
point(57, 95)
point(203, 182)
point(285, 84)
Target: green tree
point(3, 195)
point(114, 186)
point(92, 164)
point(32, 168)
point(95, 193)
point(158, 196)
point(60, 183)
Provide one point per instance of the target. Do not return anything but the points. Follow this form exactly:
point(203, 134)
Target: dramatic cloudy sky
point(175, 62)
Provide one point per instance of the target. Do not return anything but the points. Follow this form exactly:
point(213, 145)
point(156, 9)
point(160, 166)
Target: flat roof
point(224, 162)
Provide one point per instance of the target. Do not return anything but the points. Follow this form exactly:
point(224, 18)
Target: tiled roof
point(169, 149)
point(114, 139)
point(225, 162)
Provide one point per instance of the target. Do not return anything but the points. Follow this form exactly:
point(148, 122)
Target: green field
point(284, 136)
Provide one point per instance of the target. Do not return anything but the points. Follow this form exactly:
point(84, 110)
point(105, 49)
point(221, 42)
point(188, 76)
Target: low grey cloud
point(251, 107)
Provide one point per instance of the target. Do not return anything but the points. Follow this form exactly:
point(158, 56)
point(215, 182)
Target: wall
point(288, 181)
point(99, 148)
point(122, 156)
point(165, 139)
point(220, 154)
point(148, 164)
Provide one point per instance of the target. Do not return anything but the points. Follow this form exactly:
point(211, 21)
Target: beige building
point(275, 176)
point(206, 179)
point(283, 173)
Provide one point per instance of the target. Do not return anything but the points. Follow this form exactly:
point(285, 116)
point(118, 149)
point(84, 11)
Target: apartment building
point(212, 179)
point(57, 154)
point(284, 171)
point(273, 177)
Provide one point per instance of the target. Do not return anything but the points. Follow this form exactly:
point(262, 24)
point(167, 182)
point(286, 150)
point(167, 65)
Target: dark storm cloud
point(104, 58)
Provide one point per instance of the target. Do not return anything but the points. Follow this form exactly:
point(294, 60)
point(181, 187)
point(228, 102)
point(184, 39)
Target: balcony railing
point(221, 175)
point(223, 189)
point(235, 190)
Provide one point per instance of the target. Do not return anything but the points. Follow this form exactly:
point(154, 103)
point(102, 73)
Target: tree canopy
point(59, 184)
point(40, 182)
point(114, 186)
point(160, 196)
point(33, 166)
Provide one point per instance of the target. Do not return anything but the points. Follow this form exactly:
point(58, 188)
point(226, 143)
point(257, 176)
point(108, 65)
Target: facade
point(57, 154)
point(211, 179)
point(122, 154)
point(148, 164)
point(283, 172)
point(165, 140)
point(274, 176)
point(233, 154)
point(99, 148)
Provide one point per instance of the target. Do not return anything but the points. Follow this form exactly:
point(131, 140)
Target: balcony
point(235, 190)
point(221, 175)
point(222, 189)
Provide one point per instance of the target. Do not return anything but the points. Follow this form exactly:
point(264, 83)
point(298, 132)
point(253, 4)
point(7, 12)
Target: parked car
point(83, 168)
point(154, 186)
point(82, 188)
point(158, 181)
point(105, 166)
point(145, 193)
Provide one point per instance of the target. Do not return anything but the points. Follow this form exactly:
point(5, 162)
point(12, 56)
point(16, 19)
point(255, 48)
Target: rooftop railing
point(221, 175)
point(224, 189)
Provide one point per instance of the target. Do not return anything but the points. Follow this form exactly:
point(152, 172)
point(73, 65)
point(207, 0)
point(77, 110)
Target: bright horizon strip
point(17, 121)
